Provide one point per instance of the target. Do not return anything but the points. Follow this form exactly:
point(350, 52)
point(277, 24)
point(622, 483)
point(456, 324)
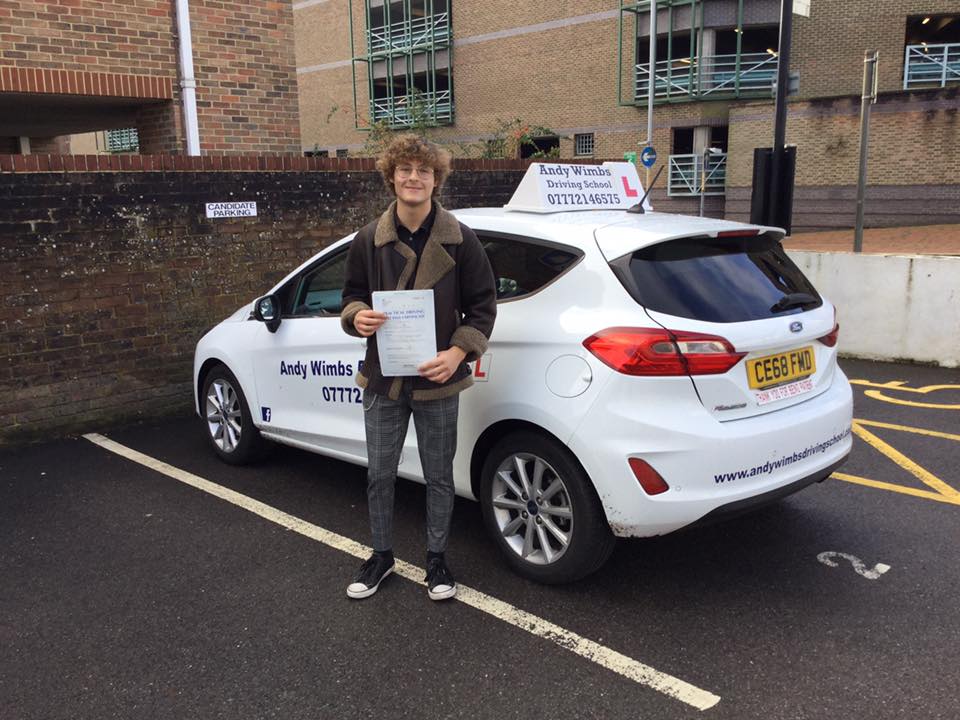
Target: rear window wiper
point(792, 300)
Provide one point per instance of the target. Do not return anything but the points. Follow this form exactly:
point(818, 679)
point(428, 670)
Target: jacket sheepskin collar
point(435, 262)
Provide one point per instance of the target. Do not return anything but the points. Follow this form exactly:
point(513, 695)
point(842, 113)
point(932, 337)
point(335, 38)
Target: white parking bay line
point(599, 654)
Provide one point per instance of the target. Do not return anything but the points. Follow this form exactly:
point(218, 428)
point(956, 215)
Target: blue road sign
point(648, 156)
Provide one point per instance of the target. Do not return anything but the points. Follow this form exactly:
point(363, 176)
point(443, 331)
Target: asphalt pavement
point(129, 593)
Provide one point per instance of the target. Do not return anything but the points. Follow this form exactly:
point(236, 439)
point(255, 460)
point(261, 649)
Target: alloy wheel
point(224, 416)
point(532, 508)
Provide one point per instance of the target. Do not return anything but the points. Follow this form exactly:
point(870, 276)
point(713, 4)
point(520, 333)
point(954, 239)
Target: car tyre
point(541, 509)
point(227, 420)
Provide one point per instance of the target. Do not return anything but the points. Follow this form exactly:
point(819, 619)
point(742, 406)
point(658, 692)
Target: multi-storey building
point(581, 68)
point(78, 66)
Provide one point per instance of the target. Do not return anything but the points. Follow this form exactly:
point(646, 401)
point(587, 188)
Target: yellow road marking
point(923, 475)
point(926, 494)
point(907, 428)
point(899, 386)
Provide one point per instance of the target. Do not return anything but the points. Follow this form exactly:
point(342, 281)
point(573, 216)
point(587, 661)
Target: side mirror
point(267, 311)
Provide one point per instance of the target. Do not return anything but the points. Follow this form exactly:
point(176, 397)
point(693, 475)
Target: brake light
point(649, 479)
point(738, 233)
point(655, 351)
point(830, 339)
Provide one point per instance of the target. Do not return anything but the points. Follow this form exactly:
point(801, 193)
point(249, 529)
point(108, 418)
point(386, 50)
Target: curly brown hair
point(410, 147)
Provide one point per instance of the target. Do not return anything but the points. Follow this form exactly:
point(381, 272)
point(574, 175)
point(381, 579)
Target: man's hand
point(443, 366)
point(367, 322)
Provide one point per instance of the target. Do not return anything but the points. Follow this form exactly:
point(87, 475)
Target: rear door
point(741, 286)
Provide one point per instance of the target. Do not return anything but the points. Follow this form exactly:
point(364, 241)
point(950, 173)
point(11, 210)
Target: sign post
point(867, 98)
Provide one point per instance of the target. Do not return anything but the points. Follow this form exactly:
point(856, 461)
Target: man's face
point(413, 182)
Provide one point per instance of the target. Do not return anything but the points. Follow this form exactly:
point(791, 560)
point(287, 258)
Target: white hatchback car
point(646, 372)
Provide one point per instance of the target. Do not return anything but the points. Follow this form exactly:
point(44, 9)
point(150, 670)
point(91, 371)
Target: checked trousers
point(386, 422)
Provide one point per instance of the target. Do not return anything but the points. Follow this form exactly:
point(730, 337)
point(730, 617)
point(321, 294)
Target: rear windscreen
point(717, 279)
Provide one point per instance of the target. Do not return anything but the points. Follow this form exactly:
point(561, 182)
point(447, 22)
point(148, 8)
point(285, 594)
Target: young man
point(416, 245)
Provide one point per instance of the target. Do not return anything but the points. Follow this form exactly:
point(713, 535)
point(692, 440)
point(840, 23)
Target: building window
point(541, 146)
point(409, 62)
point(583, 144)
point(316, 153)
point(342, 152)
point(122, 141)
point(932, 51)
point(698, 161)
point(704, 50)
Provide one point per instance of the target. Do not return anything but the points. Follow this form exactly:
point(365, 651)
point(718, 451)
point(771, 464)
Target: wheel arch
point(499, 430)
point(202, 373)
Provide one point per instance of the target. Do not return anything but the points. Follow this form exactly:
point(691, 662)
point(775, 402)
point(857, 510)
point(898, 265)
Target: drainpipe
point(188, 82)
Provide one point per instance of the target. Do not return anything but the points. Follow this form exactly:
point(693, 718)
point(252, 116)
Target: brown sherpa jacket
point(454, 264)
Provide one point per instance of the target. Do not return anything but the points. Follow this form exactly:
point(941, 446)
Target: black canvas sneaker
point(440, 582)
point(371, 574)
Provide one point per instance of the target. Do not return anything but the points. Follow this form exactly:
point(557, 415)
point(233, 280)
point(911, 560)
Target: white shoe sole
point(445, 594)
point(366, 592)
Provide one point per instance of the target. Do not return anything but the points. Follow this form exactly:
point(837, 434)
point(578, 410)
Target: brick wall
point(828, 46)
point(246, 77)
point(104, 299)
point(112, 37)
point(912, 163)
point(913, 139)
point(243, 62)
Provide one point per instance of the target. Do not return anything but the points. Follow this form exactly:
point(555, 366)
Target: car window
point(523, 266)
point(716, 279)
point(319, 289)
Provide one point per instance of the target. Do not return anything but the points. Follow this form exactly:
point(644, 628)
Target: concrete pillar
point(708, 48)
point(701, 139)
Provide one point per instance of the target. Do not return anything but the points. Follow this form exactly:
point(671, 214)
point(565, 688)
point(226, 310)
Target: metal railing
point(929, 65)
point(126, 140)
point(686, 178)
point(718, 75)
point(409, 34)
point(403, 110)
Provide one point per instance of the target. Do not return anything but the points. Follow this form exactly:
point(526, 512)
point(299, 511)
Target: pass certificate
point(409, 336)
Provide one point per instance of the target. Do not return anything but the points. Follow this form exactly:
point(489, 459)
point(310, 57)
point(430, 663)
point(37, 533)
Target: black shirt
point(416, 240)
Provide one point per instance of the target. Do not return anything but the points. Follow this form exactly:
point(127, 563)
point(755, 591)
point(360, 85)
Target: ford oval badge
point(796, 326)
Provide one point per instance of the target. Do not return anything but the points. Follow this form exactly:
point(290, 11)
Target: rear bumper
point(713, 469)
point(747, 505)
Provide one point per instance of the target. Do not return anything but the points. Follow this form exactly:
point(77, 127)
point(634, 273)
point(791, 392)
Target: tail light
point(830, 339)
point(649, 479)
point(655, 351)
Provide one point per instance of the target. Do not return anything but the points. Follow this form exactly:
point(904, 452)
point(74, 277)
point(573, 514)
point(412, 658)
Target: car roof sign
point(561, 187)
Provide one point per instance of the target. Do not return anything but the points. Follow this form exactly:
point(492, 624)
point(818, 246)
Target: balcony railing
point(409, 34)
point(686, 177)
point(931, 65)
point(405, 110)
point(712, 75)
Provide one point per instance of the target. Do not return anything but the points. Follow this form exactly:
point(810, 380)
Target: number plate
point(781, 368)
point(782, 392)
